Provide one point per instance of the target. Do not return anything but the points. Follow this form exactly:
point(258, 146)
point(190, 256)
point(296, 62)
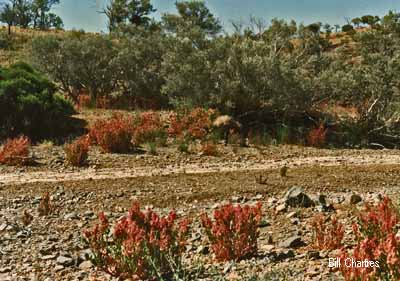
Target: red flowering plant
point(328, 234)
point(376, 233)
point(209, 149)
point(83, 101)
point(317, 136)
point(234, 232)
point(149, 128)
point(141, 246)
point(15, 151)
point(46, 207)
point(113, 134)
point(193, 125)
point(77, 152)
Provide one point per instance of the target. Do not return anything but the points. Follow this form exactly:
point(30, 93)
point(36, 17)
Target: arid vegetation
point(282, 77)
point(269, 148)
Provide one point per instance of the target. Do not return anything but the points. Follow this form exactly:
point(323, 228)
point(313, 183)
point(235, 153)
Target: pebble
point(86, 265)
point(5, 269)
point(48, 257)
point(355, 199)
point(283, 255)
point(71, 216)
point(204, 250)
point(65, 261)
point(296, 197)
point(292, 242)
point(280, 208)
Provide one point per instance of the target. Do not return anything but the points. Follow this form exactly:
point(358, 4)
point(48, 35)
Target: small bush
point(260, 138)
point(283, 171)
point(84, 101)
point(27, 218)
point(114, 134)
point(193, 125)
point(183, 146)
point(328, 235)
point(151, 148)
point(234, 232)
point(15, 152)
point(77, 152)
point(209, 149)
point(317, 136)
point(46, 145)
point(354, 133)
point(29, 105)
point(144, 245)
point(348, 28)
point(103, 102)
point(45, 207)
point(149, 129)
point(282, 134)
point(376, 233)
point(176, 128)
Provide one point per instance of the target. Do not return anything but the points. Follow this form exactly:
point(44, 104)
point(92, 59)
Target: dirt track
point(16, 178)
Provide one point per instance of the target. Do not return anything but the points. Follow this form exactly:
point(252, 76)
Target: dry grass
point(46, 145)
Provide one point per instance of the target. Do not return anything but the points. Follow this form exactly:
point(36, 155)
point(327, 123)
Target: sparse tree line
point(30, 13)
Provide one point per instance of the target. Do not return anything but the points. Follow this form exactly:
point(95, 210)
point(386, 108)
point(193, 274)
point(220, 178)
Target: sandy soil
point(171, 168)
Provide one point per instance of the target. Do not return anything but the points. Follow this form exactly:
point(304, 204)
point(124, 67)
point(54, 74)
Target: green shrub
point(183, 146)
point(29, 104)
point(77, 63)
point(151, 148)
point(282, 134)
point(140, 71)
point(105, 67)
point(348, 28)
point(260, 137)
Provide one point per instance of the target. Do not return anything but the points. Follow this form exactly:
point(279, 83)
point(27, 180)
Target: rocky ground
point(51, 247)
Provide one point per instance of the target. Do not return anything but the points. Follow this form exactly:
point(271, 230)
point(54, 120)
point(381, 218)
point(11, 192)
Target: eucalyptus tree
point(192, 15)
point(123, 12)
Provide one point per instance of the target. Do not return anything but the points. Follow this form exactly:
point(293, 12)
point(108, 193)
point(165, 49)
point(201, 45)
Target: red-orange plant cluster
point(234, 232)
point(45, 207)
point(209, 149)
point(327, 235)
point(114, 134)
point(194, 125)
point(317, 136)
point(77, 152)
point(83, 101)
point(15, 151)
point(377, 241)
point(103, 102)
point(143, 245)
point(149, 128)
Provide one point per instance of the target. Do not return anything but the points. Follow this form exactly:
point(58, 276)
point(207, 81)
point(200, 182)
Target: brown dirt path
point(16, 178)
